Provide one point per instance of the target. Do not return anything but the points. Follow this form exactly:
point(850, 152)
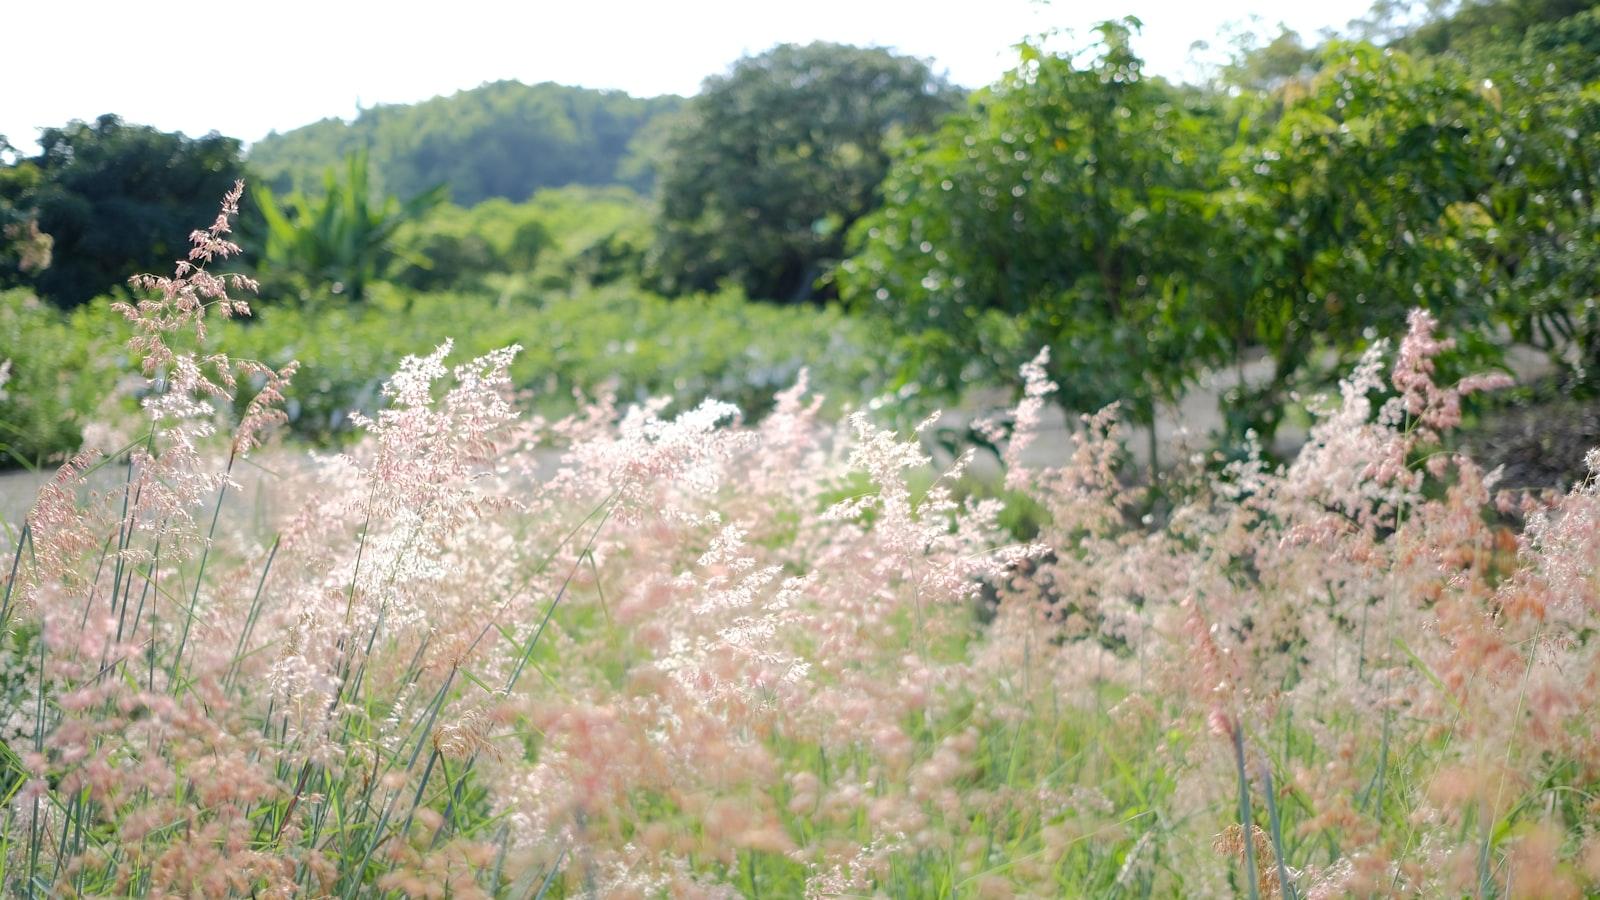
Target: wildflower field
point(637, 654)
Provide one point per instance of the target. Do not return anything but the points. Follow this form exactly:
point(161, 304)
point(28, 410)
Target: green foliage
point(774, 162)
point(503, 139)
point(1265, 65)
point(1145, 232)
point(545, 258)
point(1352, 210)
point(589, 225)
point(1438, 26)
point(562, 239)
point(114, 199)
point(618, 337)
point(1065, 209)
point(439, 260)
point(339, 239)
point(450, 247)
point(24, 249)
point(1564, 51)
point(61, 367)
point(1541, 234)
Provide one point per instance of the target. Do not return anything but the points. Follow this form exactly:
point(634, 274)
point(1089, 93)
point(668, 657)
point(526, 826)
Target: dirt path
point(1189, 422)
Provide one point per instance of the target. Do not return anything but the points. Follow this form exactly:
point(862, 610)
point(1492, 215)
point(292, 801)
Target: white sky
point(248, 67)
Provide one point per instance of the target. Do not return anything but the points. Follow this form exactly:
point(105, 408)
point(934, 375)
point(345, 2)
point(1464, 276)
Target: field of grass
point(649, 650)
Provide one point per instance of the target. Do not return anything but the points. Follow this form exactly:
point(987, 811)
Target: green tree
point(1541, 237)
point(774, 161)
point(1263, 66)
point(114, 199)
point(1064, 209)
point(1357, 206)
point(1436, 26)
point(340, 240)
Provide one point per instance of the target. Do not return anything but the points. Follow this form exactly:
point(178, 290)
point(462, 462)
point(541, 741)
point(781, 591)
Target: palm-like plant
point(340, 239)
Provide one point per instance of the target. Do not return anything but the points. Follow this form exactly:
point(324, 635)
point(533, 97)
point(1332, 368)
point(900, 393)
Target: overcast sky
point(248, 67)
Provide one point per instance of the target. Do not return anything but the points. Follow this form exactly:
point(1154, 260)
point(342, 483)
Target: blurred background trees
point(1263, 224)
point(1063, 208)
point(1150, 233)
point(774, 162)
point(1352, 208)
point(1541, 238)
point(504, 139)
point(115, 200)
point(340, 239)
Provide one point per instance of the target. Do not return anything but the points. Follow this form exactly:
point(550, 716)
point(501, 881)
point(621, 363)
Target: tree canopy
point(1289, 209)
point(1146, 232)
point(114, 199)
point(503, 139)
point(1353, 208)
point(1064, 209)
point(773, 162)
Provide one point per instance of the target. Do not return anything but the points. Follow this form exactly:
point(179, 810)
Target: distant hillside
point(504, 139)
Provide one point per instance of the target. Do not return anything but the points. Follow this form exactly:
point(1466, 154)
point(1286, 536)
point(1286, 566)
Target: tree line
point(1293, 207)
point(503, 139)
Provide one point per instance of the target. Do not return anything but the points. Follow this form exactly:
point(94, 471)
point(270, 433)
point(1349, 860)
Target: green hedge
point(62, 367)
point(637, 343)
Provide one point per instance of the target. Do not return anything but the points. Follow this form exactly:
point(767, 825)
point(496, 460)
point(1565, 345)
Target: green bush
point(65, 366)
point(62, 368)
point(636, 343)
point(564, 239)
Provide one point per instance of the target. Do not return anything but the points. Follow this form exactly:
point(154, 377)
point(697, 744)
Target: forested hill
point(503, 139)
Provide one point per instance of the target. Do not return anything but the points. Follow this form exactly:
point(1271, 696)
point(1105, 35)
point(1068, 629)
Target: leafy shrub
point(337, 241)
point(618, 337)
point(61, 367)
point(562, 239)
